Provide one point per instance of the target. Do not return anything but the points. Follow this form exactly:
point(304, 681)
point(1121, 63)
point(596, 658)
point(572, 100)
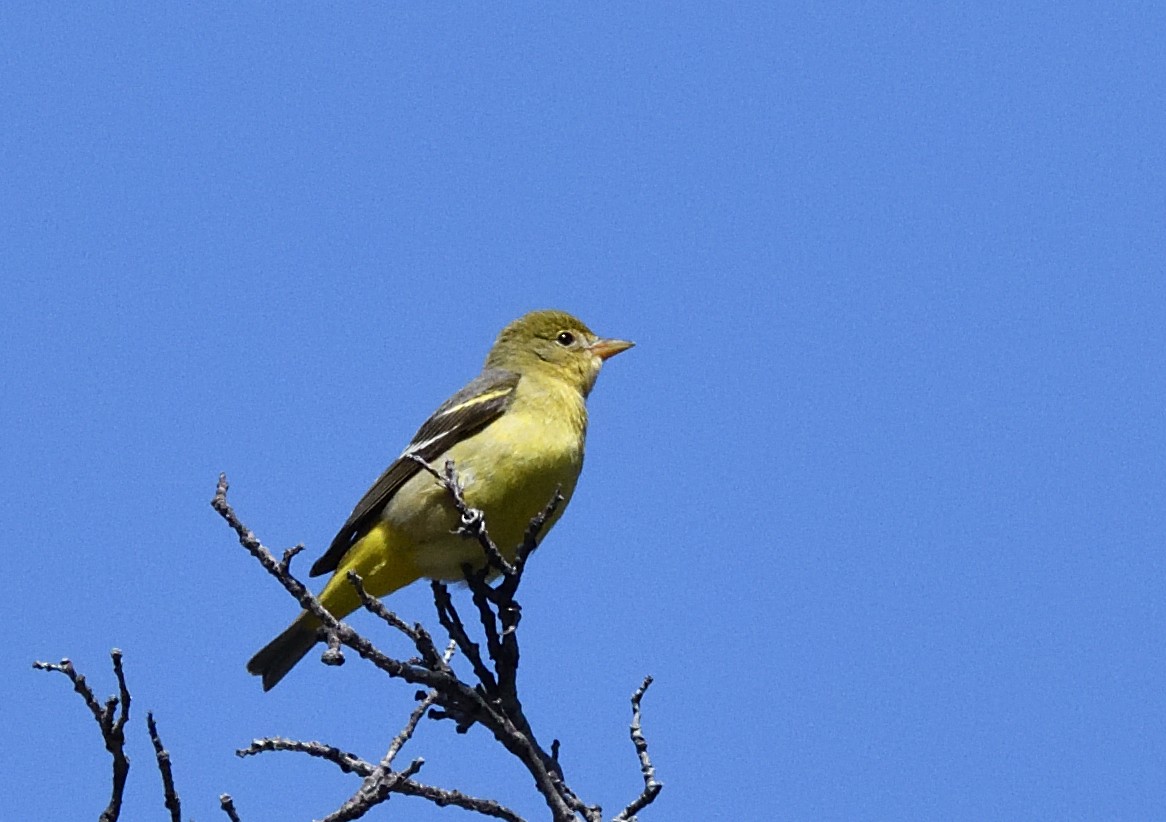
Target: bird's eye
point(565, 338)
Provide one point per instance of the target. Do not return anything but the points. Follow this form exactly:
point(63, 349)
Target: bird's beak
point(606, 349)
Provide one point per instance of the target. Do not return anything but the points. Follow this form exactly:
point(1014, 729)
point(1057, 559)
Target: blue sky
point(877, 498)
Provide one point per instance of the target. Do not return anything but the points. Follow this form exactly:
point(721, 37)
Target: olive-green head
point(554, 343)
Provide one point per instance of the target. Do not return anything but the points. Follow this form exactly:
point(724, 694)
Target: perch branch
point(492, 702)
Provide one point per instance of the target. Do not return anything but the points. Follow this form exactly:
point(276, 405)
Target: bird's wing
point(464, 414)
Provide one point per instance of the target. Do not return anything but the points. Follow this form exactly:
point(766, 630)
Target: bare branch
point(228, 806)
point(483, 596)
point(169, 794)
point(652, 788)
point(445, 798)
point(416, 632)
point(333, 654)
point(406, 732)
point(347, 762)
point(448, 616)
point(109, 719)
point(382, 781)
point(344, 633)
point(288, 555)
point(374, 791)
point(493, 702)
point(534, 531)
point(400, 782)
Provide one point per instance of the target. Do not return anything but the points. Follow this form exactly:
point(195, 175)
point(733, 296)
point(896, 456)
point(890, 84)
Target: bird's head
point(553, 343)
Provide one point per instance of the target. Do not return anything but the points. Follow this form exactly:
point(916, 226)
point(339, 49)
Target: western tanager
point(515, 433)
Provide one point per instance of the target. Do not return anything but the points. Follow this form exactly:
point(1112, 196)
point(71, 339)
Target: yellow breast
point(510, 471)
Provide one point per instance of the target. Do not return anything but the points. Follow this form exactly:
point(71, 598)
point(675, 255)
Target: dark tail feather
point(280, 655)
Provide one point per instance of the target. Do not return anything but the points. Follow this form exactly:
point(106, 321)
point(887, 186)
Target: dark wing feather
point(467, 412)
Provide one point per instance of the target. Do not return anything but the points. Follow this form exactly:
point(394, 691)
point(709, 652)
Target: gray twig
point(415, 632)
point(169, 794)
point(110, 720)
point(228, 806)
point(652, 788)
point(347, 762)
point(448, 616)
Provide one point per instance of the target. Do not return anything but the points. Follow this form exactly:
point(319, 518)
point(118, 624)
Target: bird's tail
point(383, 570)
point(280, 655)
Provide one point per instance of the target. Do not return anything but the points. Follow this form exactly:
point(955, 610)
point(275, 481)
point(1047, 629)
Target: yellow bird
point(515, 434)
